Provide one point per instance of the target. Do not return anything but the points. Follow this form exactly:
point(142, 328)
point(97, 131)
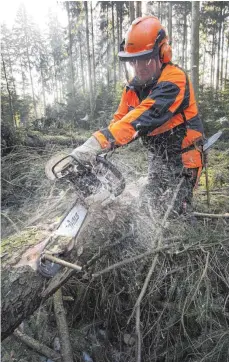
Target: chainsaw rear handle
point(67, 165)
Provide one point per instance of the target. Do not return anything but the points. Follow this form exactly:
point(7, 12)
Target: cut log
point(23, 288)
point(38, 139)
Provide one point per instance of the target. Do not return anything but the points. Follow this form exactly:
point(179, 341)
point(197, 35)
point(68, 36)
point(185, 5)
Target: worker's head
point(145, 48)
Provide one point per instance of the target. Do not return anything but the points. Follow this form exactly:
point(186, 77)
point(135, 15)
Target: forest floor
point(186, 311)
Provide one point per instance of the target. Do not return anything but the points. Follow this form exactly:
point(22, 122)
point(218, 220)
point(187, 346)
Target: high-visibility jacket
point(164, 107)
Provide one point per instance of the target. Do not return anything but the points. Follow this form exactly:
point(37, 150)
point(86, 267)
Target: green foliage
point(214, 109)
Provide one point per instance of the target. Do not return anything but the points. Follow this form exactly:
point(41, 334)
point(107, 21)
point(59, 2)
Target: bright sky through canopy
point(38, 10)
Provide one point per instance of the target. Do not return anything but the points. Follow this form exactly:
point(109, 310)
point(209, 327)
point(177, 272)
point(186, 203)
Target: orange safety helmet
point(145, 38)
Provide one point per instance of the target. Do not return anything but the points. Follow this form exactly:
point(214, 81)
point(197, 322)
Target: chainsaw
point(102, 182)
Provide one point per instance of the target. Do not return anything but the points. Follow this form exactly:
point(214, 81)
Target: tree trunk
point(43, 85)
point(184, 46)
point(22, 77)
point(93, 49)
point(119, 39)
point(81, 63)
point(226, 67)
point(89, 60)
point(195, 48)
point(9, 95)
point(159, 10)
point(138, 9)
point(113, 41)
point(23, 288)
point(170, 20)
point(11, 69)
point(31, 78)
point(222, 55)
point(72, 76)
point(108, 46)
point(212, 58)
point(131, 11)
point(218, 51)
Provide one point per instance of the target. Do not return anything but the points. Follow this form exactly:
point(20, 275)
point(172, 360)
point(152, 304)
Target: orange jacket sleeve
point(161, 104)
point(122, 108)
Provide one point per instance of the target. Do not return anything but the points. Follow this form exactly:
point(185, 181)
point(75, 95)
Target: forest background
point(66, 73)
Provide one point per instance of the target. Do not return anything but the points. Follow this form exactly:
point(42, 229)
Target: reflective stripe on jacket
point(168, 104)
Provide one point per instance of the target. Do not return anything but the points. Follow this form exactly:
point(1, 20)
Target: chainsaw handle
point(53, 169)
point(122, 183)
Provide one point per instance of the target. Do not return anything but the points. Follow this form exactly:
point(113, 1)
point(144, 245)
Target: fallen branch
point(40, 348)
point(213, 216)
point(137, 257)
point(131, 260)
point(66, 348)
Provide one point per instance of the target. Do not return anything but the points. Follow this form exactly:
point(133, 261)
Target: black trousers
point(166, 169)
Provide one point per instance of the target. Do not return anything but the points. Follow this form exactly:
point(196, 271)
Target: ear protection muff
point(165, 50)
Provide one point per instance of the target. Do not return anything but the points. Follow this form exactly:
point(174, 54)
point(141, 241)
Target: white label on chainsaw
point(72, 222)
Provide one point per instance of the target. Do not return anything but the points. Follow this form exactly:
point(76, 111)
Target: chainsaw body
point(92, 183)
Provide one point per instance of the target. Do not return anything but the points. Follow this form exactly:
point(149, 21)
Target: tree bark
point(23, 288)
point(195, 48)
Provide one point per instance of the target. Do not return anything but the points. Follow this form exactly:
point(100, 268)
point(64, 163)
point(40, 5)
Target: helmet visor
point(142, 70)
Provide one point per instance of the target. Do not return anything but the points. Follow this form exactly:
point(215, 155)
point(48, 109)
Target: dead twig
point(213, 216)
point(131, 260)
point(138, 334)
point(40, 348)
point(61, 262)
point(66, 349)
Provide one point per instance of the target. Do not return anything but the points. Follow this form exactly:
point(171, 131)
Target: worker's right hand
point(87, 152)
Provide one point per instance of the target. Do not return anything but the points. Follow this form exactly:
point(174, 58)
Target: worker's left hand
point(87, 152)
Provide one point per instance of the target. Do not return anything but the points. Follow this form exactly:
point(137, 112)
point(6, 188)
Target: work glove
point(87, 152)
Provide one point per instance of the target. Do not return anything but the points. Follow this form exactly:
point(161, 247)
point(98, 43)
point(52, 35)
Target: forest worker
point(158, 105)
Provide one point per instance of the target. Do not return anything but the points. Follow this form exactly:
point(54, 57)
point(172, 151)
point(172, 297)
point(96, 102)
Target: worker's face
point(146, 69)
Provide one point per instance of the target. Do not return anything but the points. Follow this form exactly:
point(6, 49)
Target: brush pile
point(184, 314)
point(119, 311)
